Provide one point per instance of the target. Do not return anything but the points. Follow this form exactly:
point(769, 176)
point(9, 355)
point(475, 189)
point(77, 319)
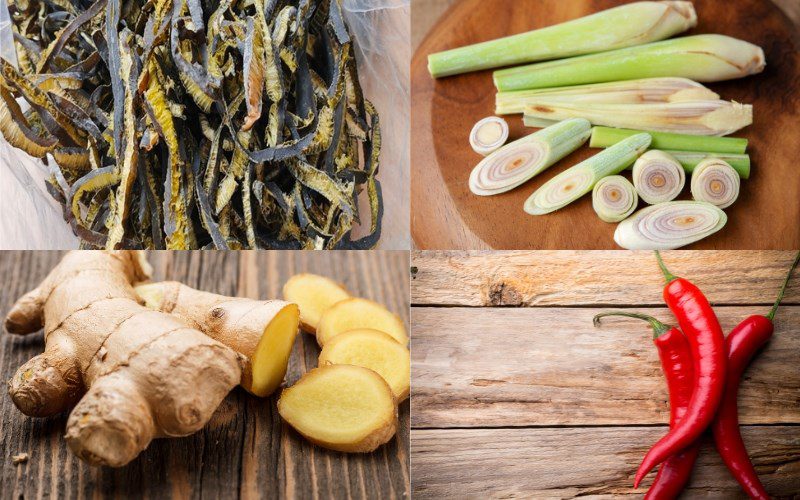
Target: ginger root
point(261, 330)
point(341, 407)
point(132, 373)
point(354, 314)
point(314, 294)
point(374, 350)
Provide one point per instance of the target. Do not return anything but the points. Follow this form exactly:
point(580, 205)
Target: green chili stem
point(774, 309)
point(658, 327)
point(667, 275)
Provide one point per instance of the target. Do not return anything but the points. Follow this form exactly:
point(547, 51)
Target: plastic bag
point(31, 219)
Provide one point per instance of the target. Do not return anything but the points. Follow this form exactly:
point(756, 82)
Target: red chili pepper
point(707, 345)
point(676, 362)
point(742, 344)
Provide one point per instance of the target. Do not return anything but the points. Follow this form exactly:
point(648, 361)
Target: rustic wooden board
point(588, 462)
point(535, 402)
point(446, 215)
point(519, 278)
point(501, 367)
point(245, 450)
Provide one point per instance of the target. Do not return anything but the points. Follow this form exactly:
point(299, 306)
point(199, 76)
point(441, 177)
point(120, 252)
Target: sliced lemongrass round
point(658, 177)
point(579, 179)
point(518, 161)
point(614, 198)
point(716, 182)
point(669, 225)
point(488, 135)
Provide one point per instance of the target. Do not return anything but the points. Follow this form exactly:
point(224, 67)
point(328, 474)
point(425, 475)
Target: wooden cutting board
point(445, 214)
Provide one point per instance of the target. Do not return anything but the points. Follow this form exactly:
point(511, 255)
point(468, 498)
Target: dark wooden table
point(245, 450)
point(516, 394)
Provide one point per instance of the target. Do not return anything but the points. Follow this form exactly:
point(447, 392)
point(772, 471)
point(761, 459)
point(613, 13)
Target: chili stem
point(667, 275)
point(774, 309)
point(658, 327)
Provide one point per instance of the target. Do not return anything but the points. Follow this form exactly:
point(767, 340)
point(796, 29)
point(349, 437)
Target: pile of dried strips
point(195, 123)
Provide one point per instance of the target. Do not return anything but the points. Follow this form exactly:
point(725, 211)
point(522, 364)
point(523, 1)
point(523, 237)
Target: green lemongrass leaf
point(669, 225)
point(658, 177)
point(715, 181)
point(623, 26)
point(614, 198)
point(517, 162)
point(702, 58)
point(603, 137)
point(578, 180)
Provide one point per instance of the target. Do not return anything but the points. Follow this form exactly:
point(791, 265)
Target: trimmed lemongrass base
point(702, 58)
point(603, 137)
point(623, 26)
point(488, 135)
point(578, 180)
point(518, 161)
point(614, 198)
point(646, 90)
point(669, 225)
point(715, 182)
point(690, 160)
point(658, 177)
point(694, 118)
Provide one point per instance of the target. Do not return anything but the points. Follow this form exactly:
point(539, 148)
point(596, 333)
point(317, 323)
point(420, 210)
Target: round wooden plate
point(446, 215)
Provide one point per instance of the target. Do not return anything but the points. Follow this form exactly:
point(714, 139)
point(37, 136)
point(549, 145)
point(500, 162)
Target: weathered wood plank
point(245, 450)
point(600, 277)
point(591, 462)
point(493, 367)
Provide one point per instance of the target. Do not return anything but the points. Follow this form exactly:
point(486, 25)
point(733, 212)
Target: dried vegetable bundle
point(196, 123)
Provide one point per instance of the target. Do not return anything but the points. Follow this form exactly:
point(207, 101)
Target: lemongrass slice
point(603, 137)
point(695, 118)
point(488, 135)
point(614, 198)
point(658, 177)
point(631, 92)
point(516, 162)
point(578, 180)
point(669, 225)
point(715, 181)
point(690, 160)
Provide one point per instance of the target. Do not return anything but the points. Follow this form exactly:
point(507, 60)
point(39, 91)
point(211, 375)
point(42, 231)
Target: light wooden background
point(516, 394)
point(245, 450)
point(425, 13)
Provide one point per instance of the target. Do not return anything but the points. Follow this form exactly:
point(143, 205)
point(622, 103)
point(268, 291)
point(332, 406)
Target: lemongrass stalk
point(532, 121)
point(578, 180)
point(702, 58)
point(715, 181)
point(694, 118)
point(603, 137)
point(518, 161)
point(647, 90)
point(690, 159)
point(614, 198)
point(623, 26)
point(658, 177)
point(669, 225)
point(488, 135)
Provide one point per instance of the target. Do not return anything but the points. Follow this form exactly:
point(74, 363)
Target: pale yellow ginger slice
point(314, 294)
point(354, 314)
point(341, 407)
point(374, 350)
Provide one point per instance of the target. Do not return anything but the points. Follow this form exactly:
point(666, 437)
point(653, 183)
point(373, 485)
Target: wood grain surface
point(246, 450)
point(533, 401)
point(446, 215)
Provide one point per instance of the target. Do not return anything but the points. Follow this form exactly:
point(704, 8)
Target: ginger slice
point(341, 407)
point(353, 314)
point(374, 350)
point(314, 294)
point(262, 330)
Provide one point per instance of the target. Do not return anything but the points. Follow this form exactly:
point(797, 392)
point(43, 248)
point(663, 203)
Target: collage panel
point(522, 388)
point(163, 360)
